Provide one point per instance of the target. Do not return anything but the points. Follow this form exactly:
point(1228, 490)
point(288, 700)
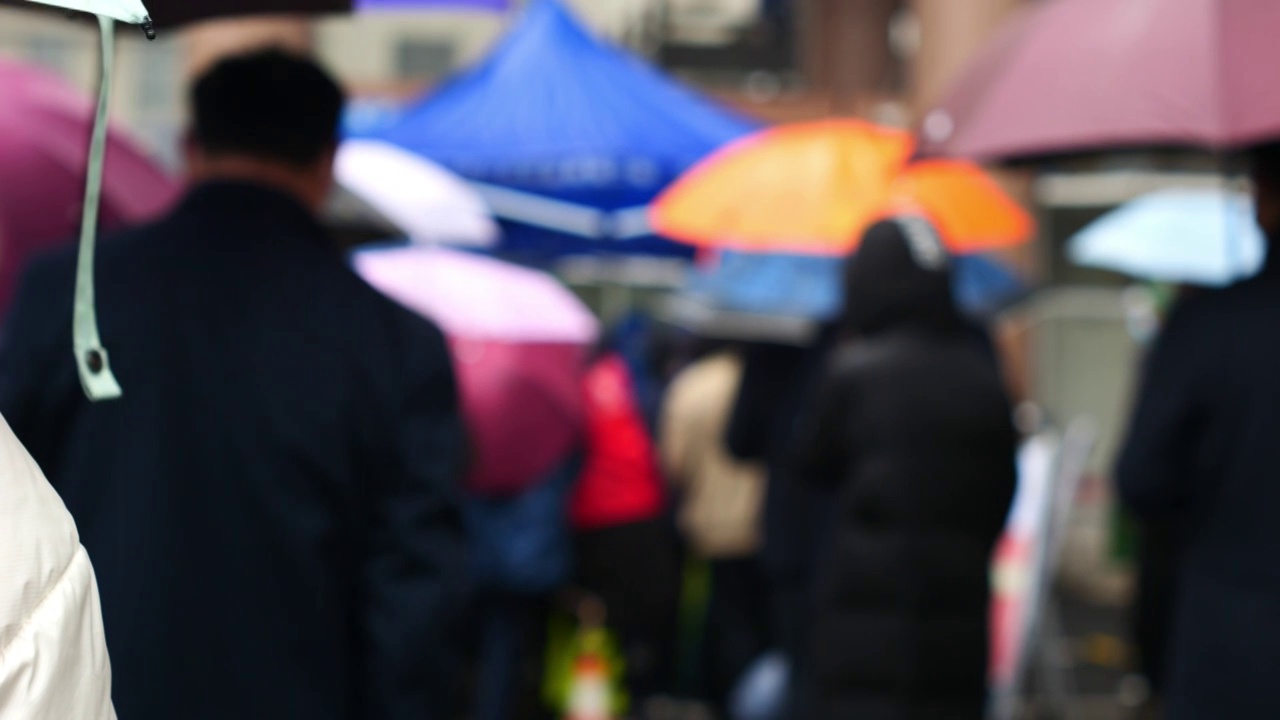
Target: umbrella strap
point(91, 358)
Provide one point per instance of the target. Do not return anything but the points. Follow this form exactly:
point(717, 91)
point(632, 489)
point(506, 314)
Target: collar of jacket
point(255, 204)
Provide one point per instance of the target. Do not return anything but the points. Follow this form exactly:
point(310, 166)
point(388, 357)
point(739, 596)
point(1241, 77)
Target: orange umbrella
point(815, 187)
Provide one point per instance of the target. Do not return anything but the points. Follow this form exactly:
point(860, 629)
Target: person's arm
point(768, 375)
point(1154, 472)
point(416, 572)
point(821, 444)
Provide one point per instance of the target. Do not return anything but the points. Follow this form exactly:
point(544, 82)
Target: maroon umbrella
point(1069, 76)
point(44, 125)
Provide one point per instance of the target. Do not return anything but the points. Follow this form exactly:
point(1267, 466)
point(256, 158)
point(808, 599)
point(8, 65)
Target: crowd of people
point(276, 515)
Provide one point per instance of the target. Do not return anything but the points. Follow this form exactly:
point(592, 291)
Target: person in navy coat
point(1202, 457)
point(271, 506)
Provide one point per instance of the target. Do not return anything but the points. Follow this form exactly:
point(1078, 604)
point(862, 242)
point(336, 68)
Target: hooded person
point(53, 655)
point(912, 431)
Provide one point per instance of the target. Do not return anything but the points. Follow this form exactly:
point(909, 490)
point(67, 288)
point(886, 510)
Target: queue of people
point(277, 515)
point(278, 521)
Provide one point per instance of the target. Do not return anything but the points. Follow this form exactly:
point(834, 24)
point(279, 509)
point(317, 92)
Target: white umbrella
point(127, 11)
point(1203, 237)
point(431, 204)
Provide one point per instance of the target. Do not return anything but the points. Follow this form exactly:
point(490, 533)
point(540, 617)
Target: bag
point(522, 544)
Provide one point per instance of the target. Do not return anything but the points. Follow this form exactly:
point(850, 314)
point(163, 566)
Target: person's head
point(899, 275)
point(266, 116)
point(1264, 167)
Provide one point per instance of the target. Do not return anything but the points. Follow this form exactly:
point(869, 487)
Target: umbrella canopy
point(169, 14)
point(811, 287)
point(1080, 75)
point(814, 187)
point(519, 340)
point(172, 13)
point(1201, 237)
point(431, 204)
point(567, 137)
point(43, 126)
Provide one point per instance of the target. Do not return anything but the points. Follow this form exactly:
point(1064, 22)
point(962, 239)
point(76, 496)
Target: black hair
point(267, 104)
point(900, 274)
point(1264, 164)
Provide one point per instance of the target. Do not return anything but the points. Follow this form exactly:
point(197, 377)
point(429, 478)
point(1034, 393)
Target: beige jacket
point(723, 497)
point(53, 657)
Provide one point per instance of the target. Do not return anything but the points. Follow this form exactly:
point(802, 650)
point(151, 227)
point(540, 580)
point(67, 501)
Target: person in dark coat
point(1203, 449)
point(913, 432)
point(762, 428)
point(271, 507)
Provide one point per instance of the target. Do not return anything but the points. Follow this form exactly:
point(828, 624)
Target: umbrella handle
point(91, 358)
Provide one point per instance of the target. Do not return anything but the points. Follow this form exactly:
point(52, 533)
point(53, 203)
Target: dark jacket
point(271, 507)
point(914, 432)
point(1205, 444)
point(762, 427)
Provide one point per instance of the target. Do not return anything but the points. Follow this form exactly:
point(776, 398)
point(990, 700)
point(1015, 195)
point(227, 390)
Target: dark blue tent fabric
point(553, 113)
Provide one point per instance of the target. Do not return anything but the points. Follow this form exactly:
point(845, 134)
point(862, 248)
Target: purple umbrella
point(1071, 76)
point(519, 340)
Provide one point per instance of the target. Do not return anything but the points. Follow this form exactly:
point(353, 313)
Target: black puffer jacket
point(914, 432)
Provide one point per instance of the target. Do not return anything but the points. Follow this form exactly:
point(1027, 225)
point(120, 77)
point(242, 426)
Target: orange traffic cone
point(591, 694)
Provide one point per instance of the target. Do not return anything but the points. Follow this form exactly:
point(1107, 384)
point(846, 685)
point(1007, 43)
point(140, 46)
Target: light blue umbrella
point(1200, 237)
point(808, 286)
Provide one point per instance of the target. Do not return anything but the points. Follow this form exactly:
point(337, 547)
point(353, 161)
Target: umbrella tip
point(148, 28)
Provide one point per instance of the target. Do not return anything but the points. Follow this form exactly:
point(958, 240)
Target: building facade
point(781, 59)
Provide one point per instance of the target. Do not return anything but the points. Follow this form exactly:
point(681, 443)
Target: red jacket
point(621, 481)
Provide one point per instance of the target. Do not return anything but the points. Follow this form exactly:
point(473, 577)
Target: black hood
point(900, 276)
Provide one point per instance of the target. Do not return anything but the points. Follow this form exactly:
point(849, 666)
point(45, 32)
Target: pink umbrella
point(44, 136)
point(1082, 75)
point(519, 340)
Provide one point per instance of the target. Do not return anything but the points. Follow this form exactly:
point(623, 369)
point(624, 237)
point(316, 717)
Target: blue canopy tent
point(567, 137)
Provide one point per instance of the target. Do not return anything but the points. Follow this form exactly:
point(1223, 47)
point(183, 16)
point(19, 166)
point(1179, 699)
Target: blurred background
point(1069, 343)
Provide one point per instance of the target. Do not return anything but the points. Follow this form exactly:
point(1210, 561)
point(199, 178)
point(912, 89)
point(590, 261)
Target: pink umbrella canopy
point(519, 341)
point(44, 138)
point(1070, 76)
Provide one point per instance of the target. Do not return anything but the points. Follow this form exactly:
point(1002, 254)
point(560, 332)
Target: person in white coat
point(53, 654)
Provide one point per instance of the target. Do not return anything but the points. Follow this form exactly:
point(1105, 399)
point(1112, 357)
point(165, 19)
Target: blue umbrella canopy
point(568, 137)
point(807, 286)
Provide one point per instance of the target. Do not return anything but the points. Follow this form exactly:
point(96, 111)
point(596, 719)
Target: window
point(418, 59)
point(730, 41)
point(159, 82)
point(52, 53)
